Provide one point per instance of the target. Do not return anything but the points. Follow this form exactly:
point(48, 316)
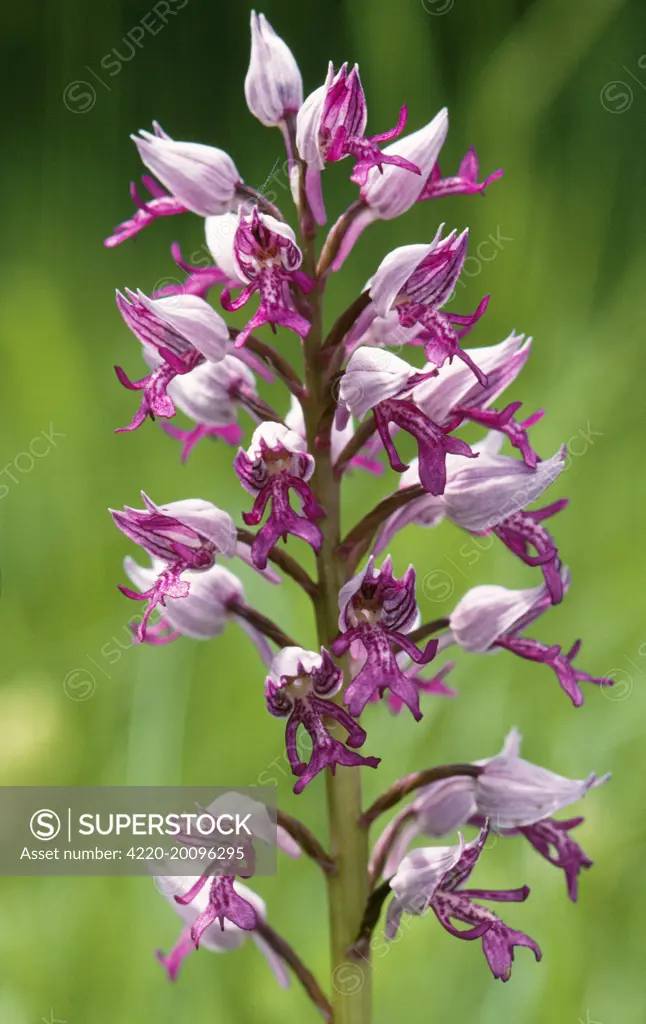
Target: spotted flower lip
point(435, 877)
point(434, 684)
point(552, 840)
point(182, 535)
point(204, 179)
point(376, 612)
point(298, 687)
point(276, 463)
point(505, 423)
point(179, 332)
point(266, 256)
point(273, 86)
point(213, 938)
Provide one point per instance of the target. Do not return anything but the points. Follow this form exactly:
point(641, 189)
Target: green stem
point(348, 887)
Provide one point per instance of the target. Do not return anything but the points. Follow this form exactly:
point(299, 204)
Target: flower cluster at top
point(350, 412)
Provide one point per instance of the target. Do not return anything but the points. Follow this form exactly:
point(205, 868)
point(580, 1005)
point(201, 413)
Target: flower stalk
point(348, 887)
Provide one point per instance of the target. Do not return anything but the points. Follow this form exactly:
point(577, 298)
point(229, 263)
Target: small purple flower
point(387, 193)
point(516, 796)
point(434, 877)
point(267, 259)
point(492, 616)
point(275, 463)
point(213, 937)
point(464, 183)
point(417, 281)
point(178, 333)
point(211, 396)
point(331, 125)
point(381, 381)
point(514, 793)
point(478, 496)
point(181, 535)
point(376, 611)
point(520, 798)
point(273, 87)
point(204, 612)
point(203, 178)
point(299, 687)
point(223, 904)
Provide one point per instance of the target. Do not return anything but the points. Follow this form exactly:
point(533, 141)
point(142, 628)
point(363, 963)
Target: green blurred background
point(555, 94)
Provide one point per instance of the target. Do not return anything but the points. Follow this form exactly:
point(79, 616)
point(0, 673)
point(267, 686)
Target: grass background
point(554, 94)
